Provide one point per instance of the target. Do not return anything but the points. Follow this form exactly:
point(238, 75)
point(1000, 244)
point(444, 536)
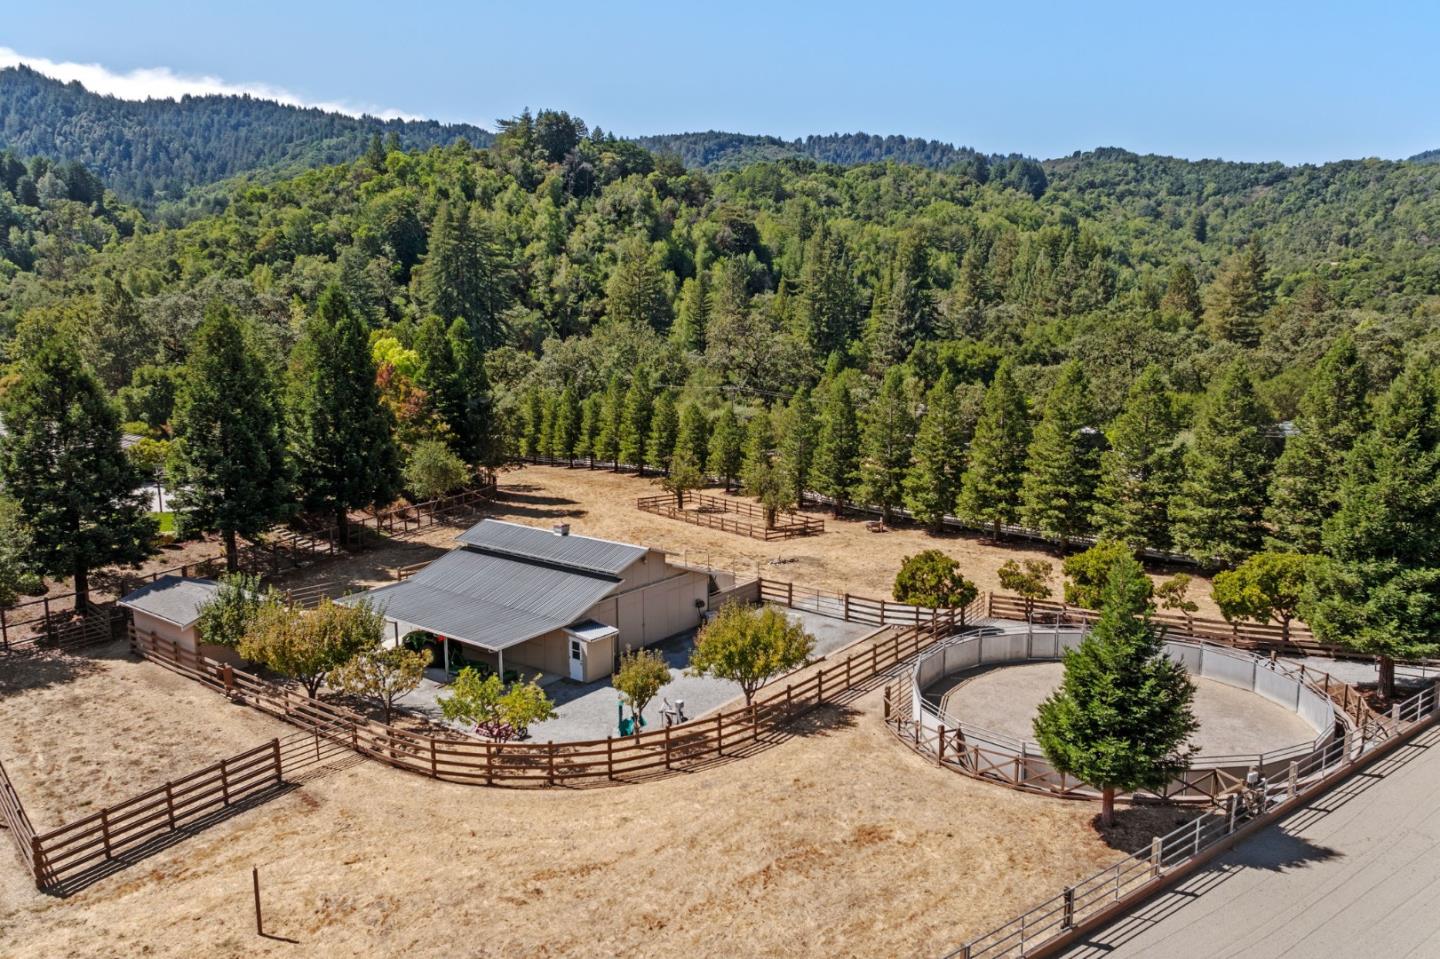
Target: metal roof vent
point(562, 529)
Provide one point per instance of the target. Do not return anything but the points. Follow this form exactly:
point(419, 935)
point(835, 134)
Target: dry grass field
point(834, 841)
point(78, 732)
point(847, 556)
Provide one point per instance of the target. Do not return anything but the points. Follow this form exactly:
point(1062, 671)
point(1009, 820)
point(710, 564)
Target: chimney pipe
point(562, 529)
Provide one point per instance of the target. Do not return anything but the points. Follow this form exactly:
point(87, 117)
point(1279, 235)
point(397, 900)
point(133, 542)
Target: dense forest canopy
point(155, 150)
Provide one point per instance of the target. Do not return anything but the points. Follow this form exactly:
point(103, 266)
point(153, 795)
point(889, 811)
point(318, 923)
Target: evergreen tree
point(836, 466)
point(1379, 590)
point(566, 431)
point(757, 451)
point(1123, 713)
point(1239, 296)
point(1182, 294)
point(1305, 490)
point(829, 302)
point(1140, 472)
point(693, 317)
point(903, 313)
point(545, 441)
point(451, 371)
point(694, 435)
point(1058, 492)
point(938, 464)
point(798, 433)
point(612, 416)
point(990, 490)
point(1217, 514)
point(635, 421)
point(886, 440)
point(589, 431)
point(664, 430)
point(61, 461)
point(464, 276)
point(227, 463)
point(636, 291)
point(726, 442)
point(532, 420)
point(339, 431)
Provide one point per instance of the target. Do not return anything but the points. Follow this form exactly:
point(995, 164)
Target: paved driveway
point(1355, 873)
point(589, 710)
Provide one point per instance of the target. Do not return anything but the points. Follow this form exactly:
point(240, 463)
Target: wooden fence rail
point(16, 822)
point(66, 853)
point(715, 512)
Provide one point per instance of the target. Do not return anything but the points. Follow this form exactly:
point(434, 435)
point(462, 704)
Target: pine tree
point(532, 419)
point(1123, 713)
point(938, 464)
point(452, 373)
point(635, 293)
point(694, 437)
point(836, 466)
point(612, 415)
point(545, 442)
point(757, 451)
point(887, 435)
point(693, 317)
point(726, 442)
point(1217, 514)
point(1239, 296)
point(1140, 472)
point(1182, 295)
point(635, 421)
point(829, 302)
point(464, 276)
point(903, 313)
point(798, 433)
point(1379, 590)
point(227, 464)
point(1305, 490)
point(1058, 492)
point(61, 461)
point(990, 490)
point(566, 432)
point(589, 432)
point(339, 431)
point(664, 430)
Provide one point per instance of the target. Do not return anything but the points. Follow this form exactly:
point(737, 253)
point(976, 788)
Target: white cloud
point(159, 83)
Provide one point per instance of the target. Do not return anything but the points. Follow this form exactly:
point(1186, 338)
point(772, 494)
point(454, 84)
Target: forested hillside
point(155, 150)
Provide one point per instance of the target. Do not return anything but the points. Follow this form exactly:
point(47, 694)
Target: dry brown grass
point(846, 556)
point(80, 732)
point(838, 841)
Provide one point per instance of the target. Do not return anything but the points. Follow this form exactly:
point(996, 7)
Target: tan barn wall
point(660, 606)
point(546, 653)
point(163, 630)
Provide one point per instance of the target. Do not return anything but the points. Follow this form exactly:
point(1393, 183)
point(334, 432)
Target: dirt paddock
point(836, 841)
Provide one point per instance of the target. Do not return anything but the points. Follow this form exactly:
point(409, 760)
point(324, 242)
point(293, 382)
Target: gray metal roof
point(491, 600)
point(528, 542)
point(174, 599)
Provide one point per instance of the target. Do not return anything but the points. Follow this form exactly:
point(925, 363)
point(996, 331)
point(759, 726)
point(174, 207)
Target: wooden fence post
point(790, 594)
point(667, 747)
point(845, 599)
point(170, 803)
point(720, 733)
point(610, 757)
point(275, 753)
point(754, 723)
point(887, 702)
point(819, 685)
point(434, 764)
point(550, 762)
point(940, 747)
point(1155, 856)
point(224, 784)
point(1067, 918)
point(105, 832)
point(37, 858)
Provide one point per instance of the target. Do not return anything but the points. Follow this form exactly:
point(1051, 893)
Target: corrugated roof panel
point(578, 552)
point(494, 601)
point(175, 599)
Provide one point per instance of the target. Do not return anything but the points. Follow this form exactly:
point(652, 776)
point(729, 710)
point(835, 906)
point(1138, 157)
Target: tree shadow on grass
point(30, 669)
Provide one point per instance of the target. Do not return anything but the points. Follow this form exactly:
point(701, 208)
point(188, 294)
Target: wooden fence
point(64, 855)
point(612, 759)
point(16, 822)
point(1264, 637)
point(859, 609)
point(715, 512)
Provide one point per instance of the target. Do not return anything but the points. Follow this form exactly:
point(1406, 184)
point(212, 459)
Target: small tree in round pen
point(1121, 719)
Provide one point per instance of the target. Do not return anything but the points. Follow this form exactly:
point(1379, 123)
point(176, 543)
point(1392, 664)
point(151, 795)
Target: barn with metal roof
point(519, 597)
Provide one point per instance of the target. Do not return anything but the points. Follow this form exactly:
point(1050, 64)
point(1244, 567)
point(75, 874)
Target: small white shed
point(169, 609)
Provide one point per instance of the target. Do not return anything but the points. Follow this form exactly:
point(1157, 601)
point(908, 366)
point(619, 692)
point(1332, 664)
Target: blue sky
point(1244, 81)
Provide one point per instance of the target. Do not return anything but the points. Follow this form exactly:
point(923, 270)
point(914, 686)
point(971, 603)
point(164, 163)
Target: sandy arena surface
point(1232, 721)
point(835, 841)
point(80, 732)
point(846, 557)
